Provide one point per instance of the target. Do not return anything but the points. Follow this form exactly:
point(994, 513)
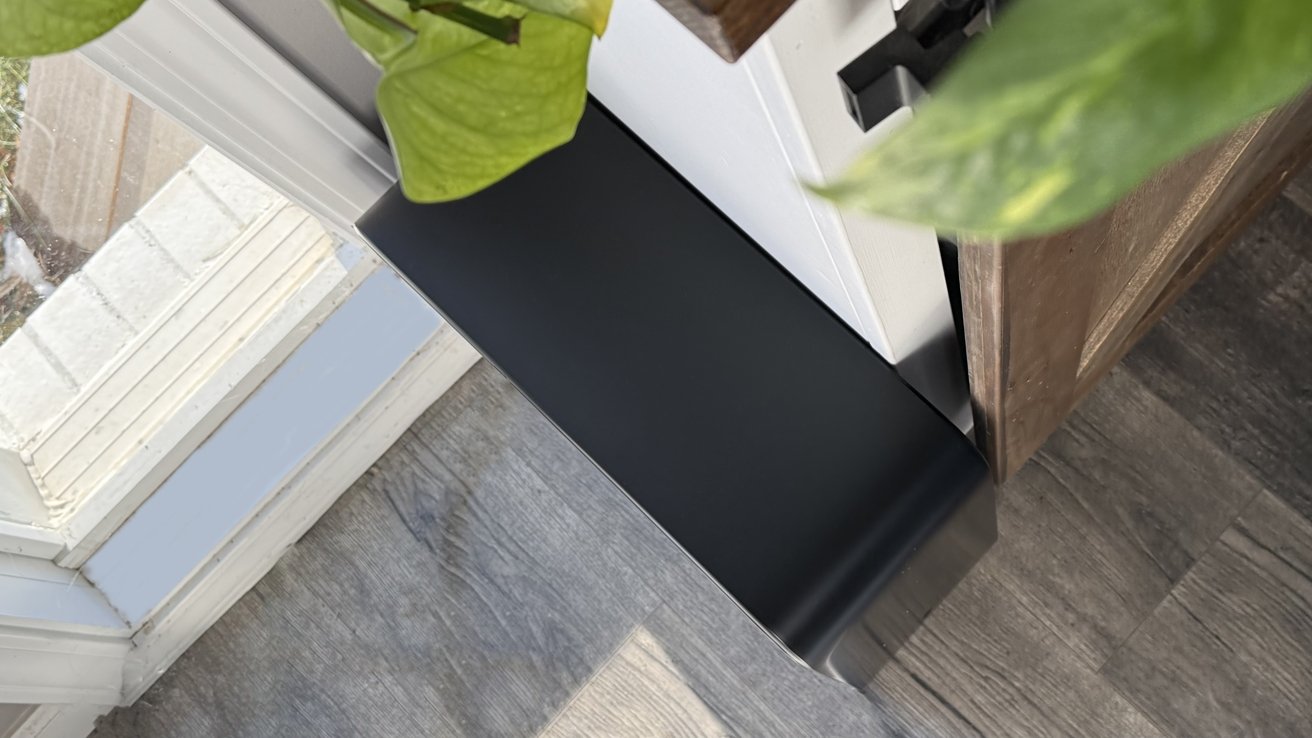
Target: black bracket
point(895, 72)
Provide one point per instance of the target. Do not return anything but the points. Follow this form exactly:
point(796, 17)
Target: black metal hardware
point(782, 453)
point(895, 72)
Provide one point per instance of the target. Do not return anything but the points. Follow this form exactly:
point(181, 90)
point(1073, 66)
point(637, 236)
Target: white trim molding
point(60, 639)
point(131, 432)
point(287, 514)
point(50, 666)
point(262, 446)
point(24, 539)
point(196, 62)
point(60, 721)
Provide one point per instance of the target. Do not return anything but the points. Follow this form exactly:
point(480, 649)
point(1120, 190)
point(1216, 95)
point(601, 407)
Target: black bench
point(771, 442)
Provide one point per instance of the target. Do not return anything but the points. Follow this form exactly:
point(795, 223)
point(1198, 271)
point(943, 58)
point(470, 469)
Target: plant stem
point(502, 28)
point(378, 18)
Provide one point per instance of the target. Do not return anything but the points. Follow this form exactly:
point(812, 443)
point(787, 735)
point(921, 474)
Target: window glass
point(79, 157)
point(137, 265)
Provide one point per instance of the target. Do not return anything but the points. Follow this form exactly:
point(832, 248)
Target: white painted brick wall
point(80, 328)
point(31, 388)
point(146, 265)
point(242, 192)
point(136, 276)
point(193, 226)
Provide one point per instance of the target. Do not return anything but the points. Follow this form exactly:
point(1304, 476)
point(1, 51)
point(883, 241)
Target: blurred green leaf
point(39, 27)
point(1066, 106)
point(464, 110)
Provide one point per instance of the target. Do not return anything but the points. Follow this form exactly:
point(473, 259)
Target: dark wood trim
point(729, 27)
point(1235, 222)
point(1040, 330)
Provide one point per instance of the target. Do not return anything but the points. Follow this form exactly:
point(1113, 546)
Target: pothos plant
point(1065, 107)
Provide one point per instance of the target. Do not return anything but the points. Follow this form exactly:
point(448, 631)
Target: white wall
point(709, 120)
point(746, 134)
point(900, 264)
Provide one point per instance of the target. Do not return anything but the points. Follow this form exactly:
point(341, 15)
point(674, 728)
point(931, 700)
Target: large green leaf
point(464, 110)
point(1068, 105)
point(37, 27)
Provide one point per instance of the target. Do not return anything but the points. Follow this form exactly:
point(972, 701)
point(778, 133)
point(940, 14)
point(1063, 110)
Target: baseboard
point(284, 517)
point(254, 549)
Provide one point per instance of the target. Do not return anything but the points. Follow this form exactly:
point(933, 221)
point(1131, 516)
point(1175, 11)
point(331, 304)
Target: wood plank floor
point(1153, 575)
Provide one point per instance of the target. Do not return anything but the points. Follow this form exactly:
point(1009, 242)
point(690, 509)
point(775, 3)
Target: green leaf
point(1068, 105)
point(464, 110)
point(592, 13)
point(38, 27)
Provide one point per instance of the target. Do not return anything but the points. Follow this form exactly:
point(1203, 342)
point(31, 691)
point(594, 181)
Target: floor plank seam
point(1162, 602)
point(1184, 575)
point(1092, 668)
point(1139, 707)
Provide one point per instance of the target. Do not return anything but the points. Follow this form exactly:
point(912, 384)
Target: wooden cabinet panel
point(1046, 318)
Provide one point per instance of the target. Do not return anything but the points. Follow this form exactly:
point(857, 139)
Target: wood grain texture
point(665, 681)
point(729, 27)
point(810, 704)
point(1230, 652)
point(1110, 514)
point(1230, 227)
point(91, 155)
point(1147, 231)
point(1233, 356)
point(904, 701)
point(154, 149)
point(429, 601)
point(69, 159)
point(1002, 672)
point(485, 578)
point(1054, 314)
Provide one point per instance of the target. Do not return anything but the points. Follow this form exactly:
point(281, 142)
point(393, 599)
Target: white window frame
point(202, 66)
point(199, 64)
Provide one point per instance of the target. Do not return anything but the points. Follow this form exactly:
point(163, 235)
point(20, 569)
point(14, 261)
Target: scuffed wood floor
point(1153, 575)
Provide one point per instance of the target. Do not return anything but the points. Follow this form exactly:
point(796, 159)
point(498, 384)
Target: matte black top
point(749, 421)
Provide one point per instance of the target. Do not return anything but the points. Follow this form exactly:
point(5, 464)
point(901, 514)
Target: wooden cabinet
point(1047, 318)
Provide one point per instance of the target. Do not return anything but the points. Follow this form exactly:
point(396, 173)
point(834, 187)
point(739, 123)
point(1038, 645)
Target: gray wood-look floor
point(1153, 575)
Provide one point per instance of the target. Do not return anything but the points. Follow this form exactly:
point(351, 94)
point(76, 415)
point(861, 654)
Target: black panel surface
point(769, 440)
